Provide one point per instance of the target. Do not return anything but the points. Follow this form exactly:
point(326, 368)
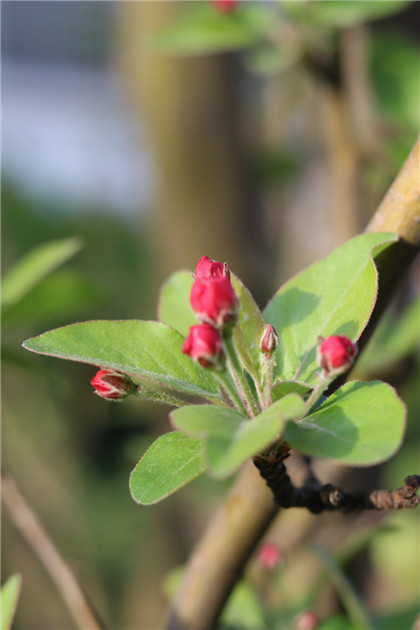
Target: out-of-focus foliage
point(9, 597)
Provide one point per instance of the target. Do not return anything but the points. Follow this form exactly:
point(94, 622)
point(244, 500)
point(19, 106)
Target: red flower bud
point(224, 6)
point(336, 353)
point(204, 345)
point(306, 620)
point(269, 556)
point(112, 385)
point(269, 340)
point(214, 301)
point(208, 268)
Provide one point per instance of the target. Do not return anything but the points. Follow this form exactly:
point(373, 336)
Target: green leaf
point(343, 13)
point(283, 388)
point(232, 439)
point(8, 600)
point(35, 266)
point(204, 30)
point(361, 424)
point(64, 294)
point(333, 296)
point(141, 349)
point(174, 308)
point(248, 331)
point(171, 462)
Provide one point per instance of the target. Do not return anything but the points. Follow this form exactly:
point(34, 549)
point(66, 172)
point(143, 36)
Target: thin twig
point(31, 529)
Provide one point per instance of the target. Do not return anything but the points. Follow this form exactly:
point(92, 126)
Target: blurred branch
point(399, 212)
point(218, 559)
point(357, 87)
point(29, 526)
point(344, 165)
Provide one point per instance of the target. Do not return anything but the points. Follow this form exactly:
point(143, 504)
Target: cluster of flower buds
point(215, 305)
point(112, 385)
point(269, 556)
point(335, 354)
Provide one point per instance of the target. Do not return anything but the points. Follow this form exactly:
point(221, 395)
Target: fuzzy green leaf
point(141, 349)
point(361, 424)
point(333, 296)
point(9, 596)
point(174, 307)
point(231, 438)
point(171, 462)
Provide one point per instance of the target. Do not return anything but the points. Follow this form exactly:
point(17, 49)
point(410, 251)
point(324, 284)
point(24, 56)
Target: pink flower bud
point(204, 345)
point(269, 340)
point(224, 6)
point(306, 620)
point(208, 268)
point(214, 301)
point(112, 385)
point(269, 556)
point(336, 353)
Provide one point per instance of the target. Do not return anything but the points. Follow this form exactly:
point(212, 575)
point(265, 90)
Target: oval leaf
point(171, 462)
point(231, 439)
point(333, 296)
point(361, 424)
point(149, 350)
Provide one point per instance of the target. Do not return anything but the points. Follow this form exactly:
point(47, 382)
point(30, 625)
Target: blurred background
point(260, 133)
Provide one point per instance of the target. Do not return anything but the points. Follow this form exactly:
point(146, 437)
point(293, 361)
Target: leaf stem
point(267, 363)
point(160, 397)
point(317, 391)
point(238, 375)
point(228, 385)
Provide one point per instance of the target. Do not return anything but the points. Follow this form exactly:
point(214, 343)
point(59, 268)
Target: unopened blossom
point(336, 353)
point(269, 339)
point(214, 301)
point(112, 385)
point(204, 345)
